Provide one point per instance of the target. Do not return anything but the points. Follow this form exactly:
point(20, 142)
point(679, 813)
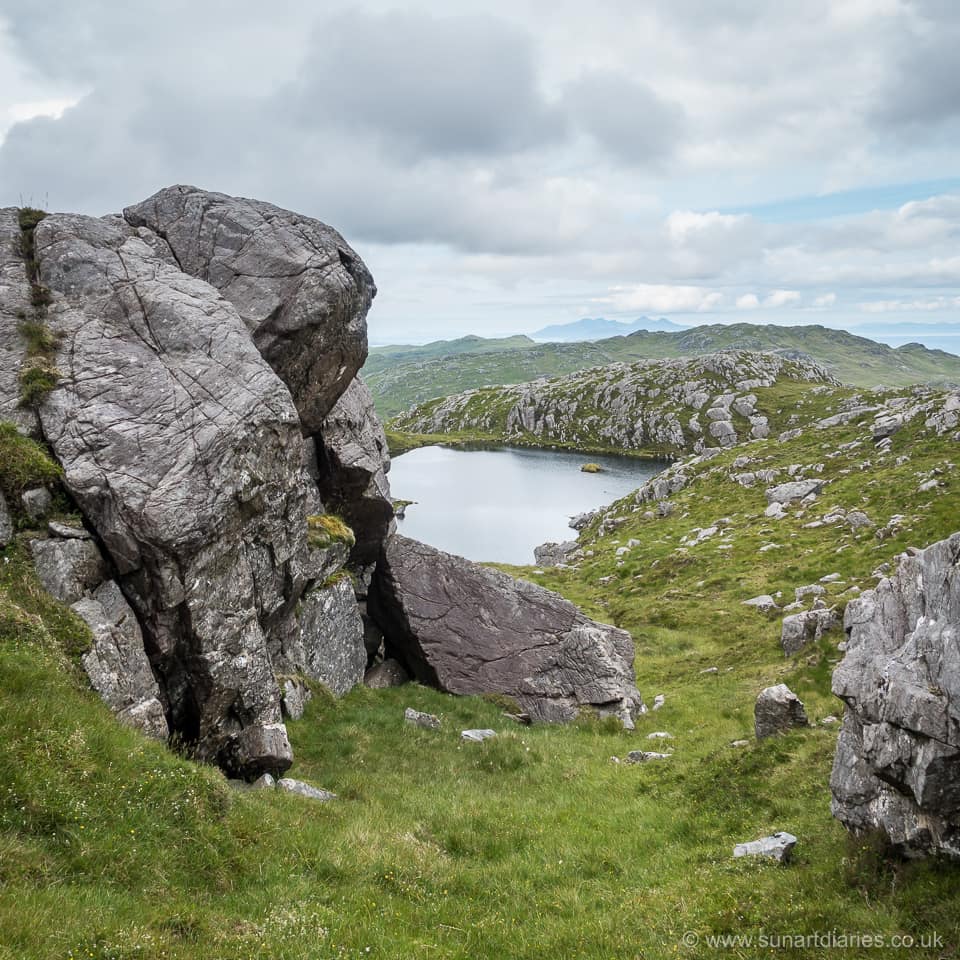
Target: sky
point(501, 166)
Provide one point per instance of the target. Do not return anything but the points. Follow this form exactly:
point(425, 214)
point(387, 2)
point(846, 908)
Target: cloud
point(625, 116)
point(824, 300)
point(782, 298)
point(662, 298)
point(919, 305)
point(749, 301)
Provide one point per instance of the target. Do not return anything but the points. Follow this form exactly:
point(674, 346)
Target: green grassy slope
point(530, 845)
point(399, 377)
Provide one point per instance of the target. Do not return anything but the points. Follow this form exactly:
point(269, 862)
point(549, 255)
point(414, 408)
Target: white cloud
point(825, 300)
point(662, 298)
point(782, 298)
point(749, 301)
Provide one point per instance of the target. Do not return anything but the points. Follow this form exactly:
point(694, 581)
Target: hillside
point(400, 377)
point(595, 328)
point(115, 848)
point(659, 408)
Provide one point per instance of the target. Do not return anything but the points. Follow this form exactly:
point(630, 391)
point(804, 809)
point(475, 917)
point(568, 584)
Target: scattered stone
point(66, 532)
point(659, 735)
point(778, 847)
point(740, 743)
point(389, 673)
point(658, 701)
point(830, 578)
point(777, 710)
point(305, 790)
point(811, 590)
point(264, 782)
point(711, 670)
point(426, 720)
point(644, 756)
point(36, 502)
point(477, 736)
point(829, 721)
point(764, 603)
point(791, 492)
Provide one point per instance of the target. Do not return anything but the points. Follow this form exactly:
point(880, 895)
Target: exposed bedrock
point(897, 766)
point(470, 630)
point(298, 286)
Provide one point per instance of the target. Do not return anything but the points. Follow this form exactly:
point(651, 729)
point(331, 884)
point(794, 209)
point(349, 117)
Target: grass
point(24, 463)
point(530, 845)
point(324, 529)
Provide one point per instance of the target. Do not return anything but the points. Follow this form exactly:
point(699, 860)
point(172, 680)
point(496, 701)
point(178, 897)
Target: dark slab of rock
point(299, 287)
point(117, 663)
point(897, 766)
point(352, 467)
point(469, 630)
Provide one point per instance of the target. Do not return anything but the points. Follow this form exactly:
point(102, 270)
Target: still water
point(498, 504)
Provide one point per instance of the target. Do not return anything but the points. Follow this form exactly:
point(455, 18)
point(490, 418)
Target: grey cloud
point(625, 116)
point(447, 85)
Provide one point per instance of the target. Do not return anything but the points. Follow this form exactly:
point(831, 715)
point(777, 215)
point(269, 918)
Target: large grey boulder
point(117, 662)
point(184, 451)
point(897, 766)
point(352, 466)
point(68, 569)
point(299, 288)
point(800, 629)
point(777, 710)
point(325, 639)
point(468, 629)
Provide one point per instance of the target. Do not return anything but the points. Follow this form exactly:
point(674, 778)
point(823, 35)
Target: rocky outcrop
point(352, 464)
point(198, 340)
point(897, 766)
point(669, 406)
point(295, 283)
point(471, 630)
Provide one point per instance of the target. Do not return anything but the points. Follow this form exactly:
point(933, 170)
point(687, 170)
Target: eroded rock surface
point(897, 766)
point(468, 629)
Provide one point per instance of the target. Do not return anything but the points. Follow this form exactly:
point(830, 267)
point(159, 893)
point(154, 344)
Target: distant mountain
point(400, 377)
point(599, 328)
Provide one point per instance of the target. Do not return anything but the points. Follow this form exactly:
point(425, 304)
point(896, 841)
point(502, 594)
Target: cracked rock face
point(470, 630)
point(352, 466)
point(897, 766)
point(184, 451)
point(300, 289)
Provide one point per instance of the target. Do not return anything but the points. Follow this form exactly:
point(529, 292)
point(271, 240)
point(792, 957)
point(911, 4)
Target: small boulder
point(778, 847)
point(808, 627)
point(426, 720)
point(66, 532)
point(764, 604)
point(477, 736)
point(777, 710)
point(305, 790)
point(658, 701)
point(389, 673)
point(263, 782)
point(790, 492)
